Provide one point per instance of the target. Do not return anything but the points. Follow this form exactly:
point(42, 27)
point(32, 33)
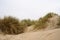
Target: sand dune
point(39, 35)
point(52, 34)
point(43, 35)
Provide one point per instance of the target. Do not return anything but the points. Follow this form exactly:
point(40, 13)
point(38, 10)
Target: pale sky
point(32, 9)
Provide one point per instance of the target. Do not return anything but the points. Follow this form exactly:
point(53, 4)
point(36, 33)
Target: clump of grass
point(42, 22)
point(10, 25)
point(58, 24)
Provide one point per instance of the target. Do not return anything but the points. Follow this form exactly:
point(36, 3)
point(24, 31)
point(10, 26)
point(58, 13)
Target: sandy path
point(39, 35)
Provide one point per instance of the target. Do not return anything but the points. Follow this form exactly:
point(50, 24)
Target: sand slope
point(43, 35)
point(39, 35)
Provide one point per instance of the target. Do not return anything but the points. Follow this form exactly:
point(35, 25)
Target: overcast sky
point(32, 9)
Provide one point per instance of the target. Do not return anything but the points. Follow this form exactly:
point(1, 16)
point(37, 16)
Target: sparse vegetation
point(42, 22)
point(11, 25)
point(58, 22)
point(26, 22)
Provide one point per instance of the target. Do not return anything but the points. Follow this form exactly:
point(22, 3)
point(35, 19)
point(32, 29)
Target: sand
point(39, 35)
